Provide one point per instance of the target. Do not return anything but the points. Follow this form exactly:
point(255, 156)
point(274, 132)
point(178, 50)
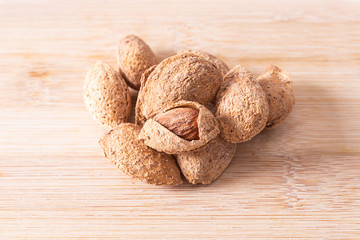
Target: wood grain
point(298, 181)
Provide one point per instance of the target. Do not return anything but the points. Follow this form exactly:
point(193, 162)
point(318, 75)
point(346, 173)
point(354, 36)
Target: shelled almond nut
point(182, 127)
point(181, 121)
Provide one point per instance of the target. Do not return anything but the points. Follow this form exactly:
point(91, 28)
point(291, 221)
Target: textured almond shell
point(139, 117)
point(278, 87)
point(134, 57)
point(211, 58)
point(180, 77)
point(206, 164)
point(106, 95)
point(241, 106)
point(122, 146)
point(161, 139)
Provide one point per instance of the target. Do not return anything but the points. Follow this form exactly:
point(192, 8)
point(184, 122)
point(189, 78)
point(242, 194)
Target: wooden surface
point(301, 180)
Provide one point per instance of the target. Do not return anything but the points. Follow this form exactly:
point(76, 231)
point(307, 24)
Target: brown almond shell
point(278, 87)
point(205, 164)
point(123, 147)
point(134, 56)
point(211, 58)
point(161, 139)
point(106, 95)
point(241, 106)
point(180, 77)
point(139, 117)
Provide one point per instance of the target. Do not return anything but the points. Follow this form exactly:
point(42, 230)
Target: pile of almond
point(190, 114)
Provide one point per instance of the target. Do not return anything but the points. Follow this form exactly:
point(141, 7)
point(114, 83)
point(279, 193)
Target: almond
point(122, 146)
point(211, 58)
point(181, 121)
point(134, 57)
point(139, 117)
point(205, 164)
point(277, 85)
point(184, 76)
point(241, 106)
point(182, 127)
point(106, 95)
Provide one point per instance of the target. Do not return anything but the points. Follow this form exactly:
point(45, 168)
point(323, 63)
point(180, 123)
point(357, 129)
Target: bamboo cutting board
point(300, 180)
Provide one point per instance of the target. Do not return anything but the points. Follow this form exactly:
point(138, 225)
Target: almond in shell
point(205, 164)
point(181, 77)
point(241, 106)
point(123, 147)
point(134, 57)
point(106, 95)
point(278, 87)
point(211, 58)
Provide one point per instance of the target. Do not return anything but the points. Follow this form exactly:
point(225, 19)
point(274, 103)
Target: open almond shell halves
point(160, 138)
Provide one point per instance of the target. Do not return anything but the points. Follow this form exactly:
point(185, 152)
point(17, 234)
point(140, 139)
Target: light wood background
point(301, 180)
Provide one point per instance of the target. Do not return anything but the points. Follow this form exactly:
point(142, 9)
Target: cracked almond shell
point(106, 95)
point(211, 58)
point(278, 87)
point(134, 57)
point(122, 146)
point(181, 77)
point(161, 139)
point(241, 106)
point(206, 164)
